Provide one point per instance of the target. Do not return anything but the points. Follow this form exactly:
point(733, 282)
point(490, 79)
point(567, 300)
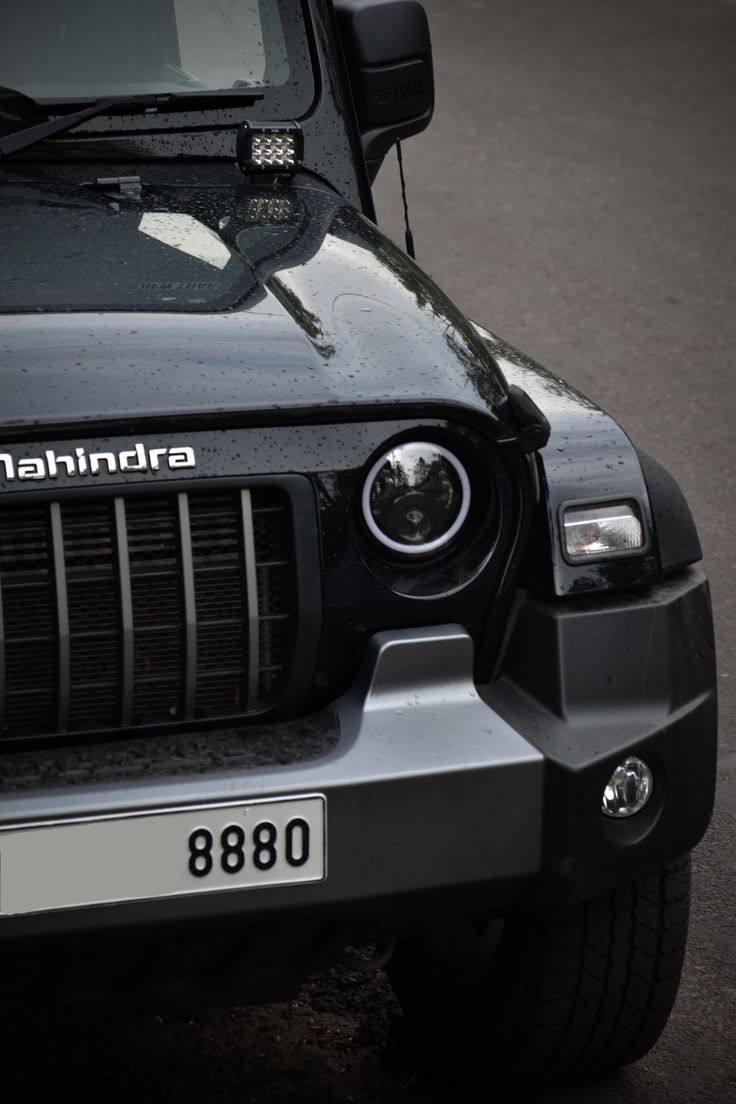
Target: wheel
point(550, 994)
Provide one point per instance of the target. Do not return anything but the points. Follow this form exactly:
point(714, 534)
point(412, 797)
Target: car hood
point(218, 298)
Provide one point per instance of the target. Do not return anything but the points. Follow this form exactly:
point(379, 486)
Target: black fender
point(589, 458)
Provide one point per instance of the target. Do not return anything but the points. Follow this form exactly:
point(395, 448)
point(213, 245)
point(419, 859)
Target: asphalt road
point(576, 194)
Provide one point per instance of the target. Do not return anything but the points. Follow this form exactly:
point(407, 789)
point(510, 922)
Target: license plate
point(175, 852)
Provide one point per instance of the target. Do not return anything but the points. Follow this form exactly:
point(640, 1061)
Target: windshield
point(70, 50)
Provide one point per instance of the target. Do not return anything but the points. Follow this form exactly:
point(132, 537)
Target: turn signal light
point(602, 530)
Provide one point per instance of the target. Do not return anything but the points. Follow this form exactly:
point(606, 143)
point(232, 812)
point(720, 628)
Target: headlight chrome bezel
point(438, 543)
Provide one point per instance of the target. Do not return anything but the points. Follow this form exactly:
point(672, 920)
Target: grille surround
point(197, 545)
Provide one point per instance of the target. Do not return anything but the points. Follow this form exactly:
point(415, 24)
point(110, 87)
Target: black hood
point(217, 298)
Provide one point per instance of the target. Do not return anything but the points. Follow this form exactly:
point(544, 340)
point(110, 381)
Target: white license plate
point(176, 852)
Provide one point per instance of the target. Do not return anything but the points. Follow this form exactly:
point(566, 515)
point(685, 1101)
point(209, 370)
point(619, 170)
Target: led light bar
point(269, 147)
point(602, 530)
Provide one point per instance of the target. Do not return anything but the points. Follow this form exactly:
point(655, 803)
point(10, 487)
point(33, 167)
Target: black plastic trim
point(676, 535)
point(589, 681)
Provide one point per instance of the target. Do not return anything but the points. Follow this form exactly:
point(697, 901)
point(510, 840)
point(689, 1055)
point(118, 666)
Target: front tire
point(562, 993)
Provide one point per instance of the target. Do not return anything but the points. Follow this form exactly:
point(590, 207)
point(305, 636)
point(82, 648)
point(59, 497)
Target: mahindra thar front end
point(327, 619)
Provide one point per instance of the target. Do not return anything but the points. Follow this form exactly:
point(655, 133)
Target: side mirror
point(389, 59)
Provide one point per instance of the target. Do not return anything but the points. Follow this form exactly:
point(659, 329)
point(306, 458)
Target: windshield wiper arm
point(168, 101)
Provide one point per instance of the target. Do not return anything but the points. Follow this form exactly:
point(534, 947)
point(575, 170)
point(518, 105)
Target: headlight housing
point(416, 498)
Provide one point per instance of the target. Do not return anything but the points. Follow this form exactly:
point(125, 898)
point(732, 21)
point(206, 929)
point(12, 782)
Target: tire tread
point(573, 992)
point(617, 997)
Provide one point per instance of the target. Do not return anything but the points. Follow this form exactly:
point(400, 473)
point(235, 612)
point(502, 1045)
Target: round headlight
point(416, 498)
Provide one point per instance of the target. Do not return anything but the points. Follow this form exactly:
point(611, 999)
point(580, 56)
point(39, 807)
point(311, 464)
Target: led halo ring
point(438, 542)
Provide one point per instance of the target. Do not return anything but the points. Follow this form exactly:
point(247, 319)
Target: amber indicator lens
point(416, 498)
point(601, 530)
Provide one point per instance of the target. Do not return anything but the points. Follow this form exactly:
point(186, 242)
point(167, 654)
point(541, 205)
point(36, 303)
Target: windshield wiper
point(126, 105)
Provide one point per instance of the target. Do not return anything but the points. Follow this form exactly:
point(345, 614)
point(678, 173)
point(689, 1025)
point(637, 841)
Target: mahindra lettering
point(80, 462)
point(327, 619)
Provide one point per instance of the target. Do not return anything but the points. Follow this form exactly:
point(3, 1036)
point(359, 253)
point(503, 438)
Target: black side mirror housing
point(388, 53)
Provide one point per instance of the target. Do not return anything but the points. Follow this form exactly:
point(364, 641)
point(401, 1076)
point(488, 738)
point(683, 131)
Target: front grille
point(144, 610)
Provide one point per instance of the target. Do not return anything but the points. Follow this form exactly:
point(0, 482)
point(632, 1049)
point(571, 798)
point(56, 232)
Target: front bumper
point(443, 794)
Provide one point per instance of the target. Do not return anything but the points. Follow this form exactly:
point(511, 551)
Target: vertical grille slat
point(190, 609)
point(142, 610)
point(63, 650)
point(125, 603)
point(251, 596)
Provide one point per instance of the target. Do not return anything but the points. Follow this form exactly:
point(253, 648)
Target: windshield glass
point(68, 50)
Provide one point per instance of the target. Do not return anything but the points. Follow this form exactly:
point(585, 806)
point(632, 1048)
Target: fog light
point(602, 530)
point(269, 147)
point(629, 788)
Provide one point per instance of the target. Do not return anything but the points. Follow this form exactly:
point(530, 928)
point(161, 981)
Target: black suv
point(327, 619)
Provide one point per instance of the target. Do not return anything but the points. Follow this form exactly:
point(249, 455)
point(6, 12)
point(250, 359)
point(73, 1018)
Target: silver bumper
point(427, 788)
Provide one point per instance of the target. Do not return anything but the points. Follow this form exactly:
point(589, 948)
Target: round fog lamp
point(416, 497)
point(629, 788)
